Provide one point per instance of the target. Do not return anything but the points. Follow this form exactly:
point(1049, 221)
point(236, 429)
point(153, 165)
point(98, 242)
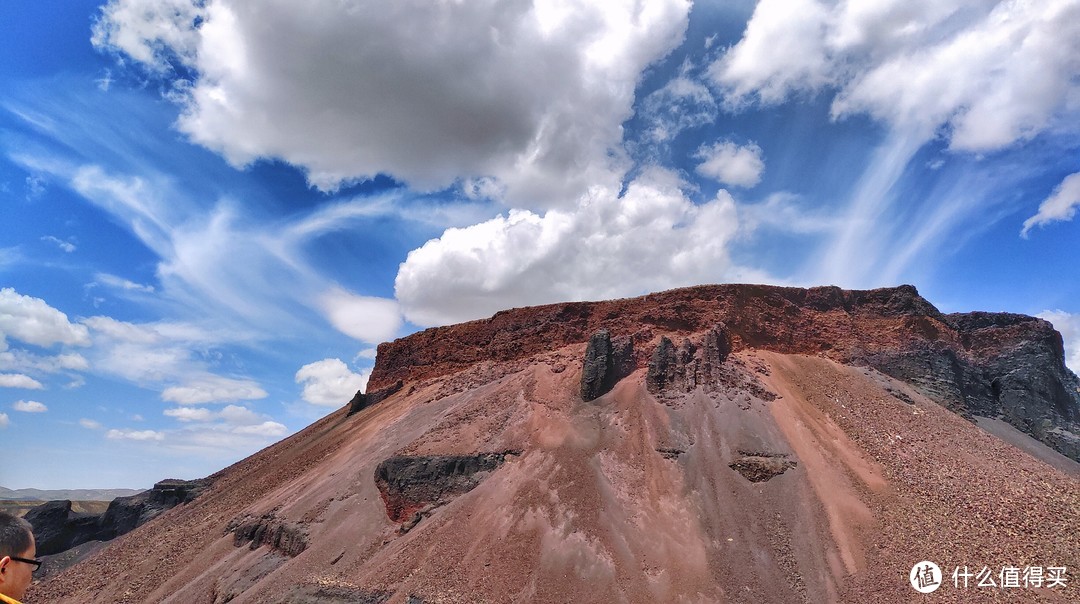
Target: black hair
point(15, 535)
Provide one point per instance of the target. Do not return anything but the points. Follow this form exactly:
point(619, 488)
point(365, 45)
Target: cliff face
point(742, 444)
point(996, 365)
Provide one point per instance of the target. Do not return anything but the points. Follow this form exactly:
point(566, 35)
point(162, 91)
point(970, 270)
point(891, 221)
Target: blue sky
point(214, 210)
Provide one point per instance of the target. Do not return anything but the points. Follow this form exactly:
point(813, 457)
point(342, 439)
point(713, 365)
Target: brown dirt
point(623, 499)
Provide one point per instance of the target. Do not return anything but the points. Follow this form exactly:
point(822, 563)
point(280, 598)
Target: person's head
point(17, 552)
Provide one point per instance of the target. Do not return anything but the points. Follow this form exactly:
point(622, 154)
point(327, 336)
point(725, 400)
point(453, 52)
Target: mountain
point(726, 443)
point(69, 494)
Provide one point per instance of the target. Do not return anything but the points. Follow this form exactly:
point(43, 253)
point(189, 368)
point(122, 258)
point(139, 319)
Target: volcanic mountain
point(729, 443)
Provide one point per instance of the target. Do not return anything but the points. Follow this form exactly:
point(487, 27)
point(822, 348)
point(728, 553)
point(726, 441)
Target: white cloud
point(122, 284)
point(1069, 326)
point(651, 238)
point(533, 94)
point(189, 414)
point(683, 103)
point(730, 164)
point(263, 429)
point(1061, 205)
point(785, 212)
point(89, 424)
point(18, 380)
point(239, 416)
point(782, 50)
point(147, 30)
point(365, 318)
point(33, 321)
point(214, 389)
point(4, 421)
point(66, 246)
point(137, 435)
point(367, 353)
point(330, 383)
point(21, 360)
point(991, 72)
point(30, 407)
point(123, 331)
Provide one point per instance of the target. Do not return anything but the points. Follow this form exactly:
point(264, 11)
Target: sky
point(213, 211)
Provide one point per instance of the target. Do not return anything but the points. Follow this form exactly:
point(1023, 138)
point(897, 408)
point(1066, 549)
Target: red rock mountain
point(726, 443)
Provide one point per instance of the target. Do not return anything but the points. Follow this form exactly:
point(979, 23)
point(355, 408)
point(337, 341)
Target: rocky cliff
point(998, 365)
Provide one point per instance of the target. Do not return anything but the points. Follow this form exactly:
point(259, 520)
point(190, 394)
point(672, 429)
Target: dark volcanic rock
point(759, 468)
point(605, 364)
point(1008, 366)
point(410, 483)
point(690, 365)
point(363, 401)
point(57, 528)
point(284, 537)
point(326, 594)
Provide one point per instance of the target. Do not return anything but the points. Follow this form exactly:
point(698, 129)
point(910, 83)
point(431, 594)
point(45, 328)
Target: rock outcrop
point(606, 363)
point(363, 400)
point(411, 483)
point(57, 528)
point(281, 536)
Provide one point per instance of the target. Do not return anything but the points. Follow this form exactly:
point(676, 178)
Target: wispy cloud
point(122, 284)
point(66, 246)
point(1061, 205)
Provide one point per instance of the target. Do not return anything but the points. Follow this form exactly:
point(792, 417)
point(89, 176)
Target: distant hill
point(71, 494)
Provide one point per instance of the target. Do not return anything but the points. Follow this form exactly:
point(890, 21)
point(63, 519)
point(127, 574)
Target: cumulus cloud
point(230, 415)
point(990, 72)
point(1061, 205)
point(330, 382)
point(730, 164)
point(18, 380)
point(30, 407)
point(652, 237)
point(189, 414)
point(32, 321)
point(533, 94)
point(365, 318)
point(137, 435)
point(4, 421)
point(1069, 326)
point(89, 424)
point(214, 389)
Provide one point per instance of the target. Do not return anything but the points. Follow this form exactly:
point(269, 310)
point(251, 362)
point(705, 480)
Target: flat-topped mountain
point(727, 443)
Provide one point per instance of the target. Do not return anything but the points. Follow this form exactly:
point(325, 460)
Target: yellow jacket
point(7, 600)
